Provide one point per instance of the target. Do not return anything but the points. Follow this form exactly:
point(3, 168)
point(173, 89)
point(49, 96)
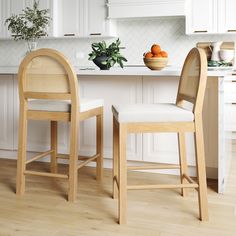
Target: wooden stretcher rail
point(41, 155)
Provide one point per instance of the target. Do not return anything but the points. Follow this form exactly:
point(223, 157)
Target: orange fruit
point(155, 49)
point(157, 55)
point(164, 54)
point(148, 55)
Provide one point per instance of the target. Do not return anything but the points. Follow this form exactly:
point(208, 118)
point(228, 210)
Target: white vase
point(215, 56)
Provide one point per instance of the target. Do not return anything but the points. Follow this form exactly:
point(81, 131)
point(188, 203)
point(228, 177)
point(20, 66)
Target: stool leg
point(22, 145)
point(122, 175)
point(99, 146)
point(182, 161)
point(115, 157)
point(73, 157)
point(54, 146)
point(201, 170)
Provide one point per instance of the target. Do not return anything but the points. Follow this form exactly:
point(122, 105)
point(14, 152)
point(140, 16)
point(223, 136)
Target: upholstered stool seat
point(159, 112)
point(63, 106)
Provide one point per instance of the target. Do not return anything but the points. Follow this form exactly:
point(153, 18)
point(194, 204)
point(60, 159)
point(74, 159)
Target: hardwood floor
point(44, 211)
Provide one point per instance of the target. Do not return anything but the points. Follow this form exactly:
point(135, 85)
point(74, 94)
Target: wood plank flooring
point(44, 211)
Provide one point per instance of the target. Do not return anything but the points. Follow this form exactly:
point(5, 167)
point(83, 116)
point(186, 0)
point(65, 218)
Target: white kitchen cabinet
point(83, 18)
point(210, 16)
point(47, 4)
point(8, 8)
point(1, 19)
point(227, 19)
point(69, 18)
point(95, 19)
point(76, 18)
point(7, 112)
point(201, 16)
point(230, 105)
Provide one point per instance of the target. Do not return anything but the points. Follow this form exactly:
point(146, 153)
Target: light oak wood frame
point(196, 82)
point(44, 86)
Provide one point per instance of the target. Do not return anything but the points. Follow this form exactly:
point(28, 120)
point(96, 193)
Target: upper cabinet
point(69, 18)
point(1, 19)
point(48, 4)
point(74, 18)
point(210, 16)
point(83, 18)
point(95, 19)
point(200, 16)
point(145, 8)
point(8, 8)
point(227, 19)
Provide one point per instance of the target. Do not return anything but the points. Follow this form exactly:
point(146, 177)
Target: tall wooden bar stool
point(48, 90)
point(150, 118)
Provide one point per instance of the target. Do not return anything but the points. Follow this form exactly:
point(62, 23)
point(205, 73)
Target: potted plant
point(107, 56)
point(30, 25)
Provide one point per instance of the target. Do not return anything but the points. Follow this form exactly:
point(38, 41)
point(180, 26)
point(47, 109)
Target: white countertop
point(129, 71)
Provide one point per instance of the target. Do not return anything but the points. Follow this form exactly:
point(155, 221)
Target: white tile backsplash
point(137, 35)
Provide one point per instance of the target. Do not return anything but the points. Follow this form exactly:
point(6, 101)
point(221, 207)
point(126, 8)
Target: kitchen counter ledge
point(135, 71)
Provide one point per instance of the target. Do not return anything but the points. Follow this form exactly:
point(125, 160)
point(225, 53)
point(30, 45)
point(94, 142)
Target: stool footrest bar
point(41, 155)
point(66, 157)
point(87, 161)
point(156, 166)
point(161, 186)
point(189, 179)
point(45, 174)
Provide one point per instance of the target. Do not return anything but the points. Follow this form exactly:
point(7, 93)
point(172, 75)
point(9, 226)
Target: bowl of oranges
point(156, 59)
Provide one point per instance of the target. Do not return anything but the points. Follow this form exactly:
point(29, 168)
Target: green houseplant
point(107, 56)
point(30, 25)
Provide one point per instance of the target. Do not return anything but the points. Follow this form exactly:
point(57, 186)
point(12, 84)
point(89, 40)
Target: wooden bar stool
point(150, 118)
point(48, 90)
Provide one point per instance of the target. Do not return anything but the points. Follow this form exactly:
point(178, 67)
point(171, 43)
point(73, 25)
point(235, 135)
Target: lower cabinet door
point(7, 112)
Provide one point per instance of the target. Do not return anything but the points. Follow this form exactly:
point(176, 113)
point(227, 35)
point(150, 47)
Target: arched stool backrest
point(47, 74)
point(193, 79)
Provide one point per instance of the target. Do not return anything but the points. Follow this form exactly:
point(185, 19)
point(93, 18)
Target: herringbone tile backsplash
point(137, 35)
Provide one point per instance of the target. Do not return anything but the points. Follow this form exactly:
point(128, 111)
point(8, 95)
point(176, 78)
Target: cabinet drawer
point(230, 91)
point(230, 117)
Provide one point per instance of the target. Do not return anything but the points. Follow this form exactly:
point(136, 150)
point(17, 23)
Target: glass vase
point(31, 46)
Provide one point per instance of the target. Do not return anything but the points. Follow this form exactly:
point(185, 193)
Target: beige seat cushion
point(159, 112)
point(63, 106)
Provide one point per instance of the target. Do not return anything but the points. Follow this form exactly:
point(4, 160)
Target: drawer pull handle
point(94, 34)
point(232, 30)
point(200, 31)
point(69, 35)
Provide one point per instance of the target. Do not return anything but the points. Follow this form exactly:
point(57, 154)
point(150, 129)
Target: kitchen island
point(131, 85)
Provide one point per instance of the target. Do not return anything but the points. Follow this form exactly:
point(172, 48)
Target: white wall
point(137, 35)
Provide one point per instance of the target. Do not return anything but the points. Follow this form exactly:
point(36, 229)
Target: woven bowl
point(156, 63)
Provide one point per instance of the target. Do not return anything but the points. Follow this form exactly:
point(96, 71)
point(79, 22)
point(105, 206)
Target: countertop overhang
point(127, 71)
